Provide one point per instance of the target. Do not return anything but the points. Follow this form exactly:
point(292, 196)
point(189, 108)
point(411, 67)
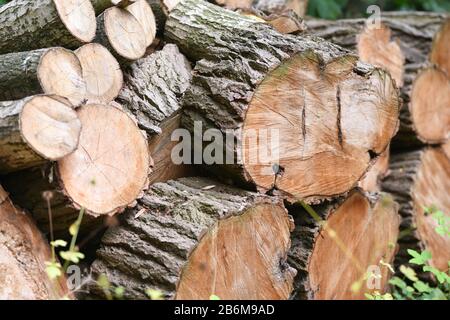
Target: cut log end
point(125, 33)
point(143, 13)
point(101, 73)
point(50, 126)
point(23, 253)
point(335, 128)
point(370, 239)
point(441, 48)
point(60, 73)
point(429, 107)
point(334, 251)
point(374, 46)
point(245, 242)
point(110, 167)
point(430, 190)
point(79, 18)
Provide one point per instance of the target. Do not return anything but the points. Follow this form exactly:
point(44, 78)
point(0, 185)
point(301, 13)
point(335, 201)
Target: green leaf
point(53, 270)
point(74, 227)
point(396, 281)
point(214, 297)
point(422, 287)
point(103, 282)
point(369, 296)
point(58, 243)
point(409, 273)
point(72, 256)
point(154, 294)
point(440, 276)
point(419, 258)
point(118, 292)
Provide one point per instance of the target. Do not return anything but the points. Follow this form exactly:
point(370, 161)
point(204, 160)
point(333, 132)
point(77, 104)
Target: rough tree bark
point(27, 25)
point(192, 238)
point(23, 254)
point(242, 85)
point(420, 179)
point(403, 37)
point(336, 247)
point(51, 71)
point(35, 130)
point(104, 175)
point(153, 87)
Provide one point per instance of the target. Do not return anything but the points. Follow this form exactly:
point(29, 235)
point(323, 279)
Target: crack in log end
point(339, 124)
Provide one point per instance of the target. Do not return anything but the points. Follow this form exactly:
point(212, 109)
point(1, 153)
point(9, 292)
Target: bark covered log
point(51, 71)
point(36, 130)
point(27, 25)
point(244, 82)
point(419, 180)
point(402, 46)
point(154, 86)
point(335, 248)
point(106, 173)
point(23, 254)
point(193, 238)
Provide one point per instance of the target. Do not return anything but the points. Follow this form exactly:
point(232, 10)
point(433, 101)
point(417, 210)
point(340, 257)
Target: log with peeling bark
point(419, 180)
point(120, 32)
point(104, 175)
point(27, 25)
point(51, 71)
point(153, 87)
point(295, 105)
point(101, 73)
point(402, 45)
point(36, 130)
point(23, 256)
point(193, 238)
point(335, 247)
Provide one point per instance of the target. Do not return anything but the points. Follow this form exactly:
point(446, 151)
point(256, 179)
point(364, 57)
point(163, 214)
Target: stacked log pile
point(284, 142)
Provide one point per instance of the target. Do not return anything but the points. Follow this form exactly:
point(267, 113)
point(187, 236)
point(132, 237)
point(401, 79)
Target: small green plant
point(70, 256)
point(410, 287)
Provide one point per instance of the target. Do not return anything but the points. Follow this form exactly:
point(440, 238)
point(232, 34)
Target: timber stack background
point(92, 91)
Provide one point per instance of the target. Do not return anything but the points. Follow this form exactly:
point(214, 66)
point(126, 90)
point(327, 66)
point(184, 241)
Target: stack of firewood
point(284, 139)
